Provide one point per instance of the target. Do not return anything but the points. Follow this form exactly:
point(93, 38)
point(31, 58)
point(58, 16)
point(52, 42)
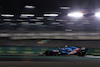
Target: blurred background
point(29, 27)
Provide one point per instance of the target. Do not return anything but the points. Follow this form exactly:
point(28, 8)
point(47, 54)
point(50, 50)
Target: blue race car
point(71, 50)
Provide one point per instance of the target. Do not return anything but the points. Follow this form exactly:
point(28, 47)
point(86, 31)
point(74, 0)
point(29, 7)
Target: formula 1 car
point(71, 50)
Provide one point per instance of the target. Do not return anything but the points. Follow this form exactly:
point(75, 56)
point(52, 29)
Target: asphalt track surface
point(49, 61)
point(87, 58)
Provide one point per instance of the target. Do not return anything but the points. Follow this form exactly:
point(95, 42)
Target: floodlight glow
point(25, 22)
point(97, 14)
point(25, 15)
point(27, 6)
point(50, 14)
point(75, 14)
point(40, 17)
point(7, 15)
point(7, 19)
point(64, 7)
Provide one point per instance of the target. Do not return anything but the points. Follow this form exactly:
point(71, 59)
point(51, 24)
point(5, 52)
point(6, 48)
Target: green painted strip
point(28, 52)
point(95, 53)
point(97, 50)
point(12, 52)
point(1, 51)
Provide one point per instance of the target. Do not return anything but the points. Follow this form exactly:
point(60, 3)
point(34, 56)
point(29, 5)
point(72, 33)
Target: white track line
point(90, 56)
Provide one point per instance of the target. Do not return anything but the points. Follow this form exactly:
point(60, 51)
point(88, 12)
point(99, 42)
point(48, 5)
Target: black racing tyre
point(79, 53)
point(47, 53)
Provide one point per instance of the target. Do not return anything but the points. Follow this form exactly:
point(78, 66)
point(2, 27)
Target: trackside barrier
point(24, 50)
point(93, 51)
point(37, 50)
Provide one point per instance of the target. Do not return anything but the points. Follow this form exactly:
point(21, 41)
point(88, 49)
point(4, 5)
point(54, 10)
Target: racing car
point(71, 50)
